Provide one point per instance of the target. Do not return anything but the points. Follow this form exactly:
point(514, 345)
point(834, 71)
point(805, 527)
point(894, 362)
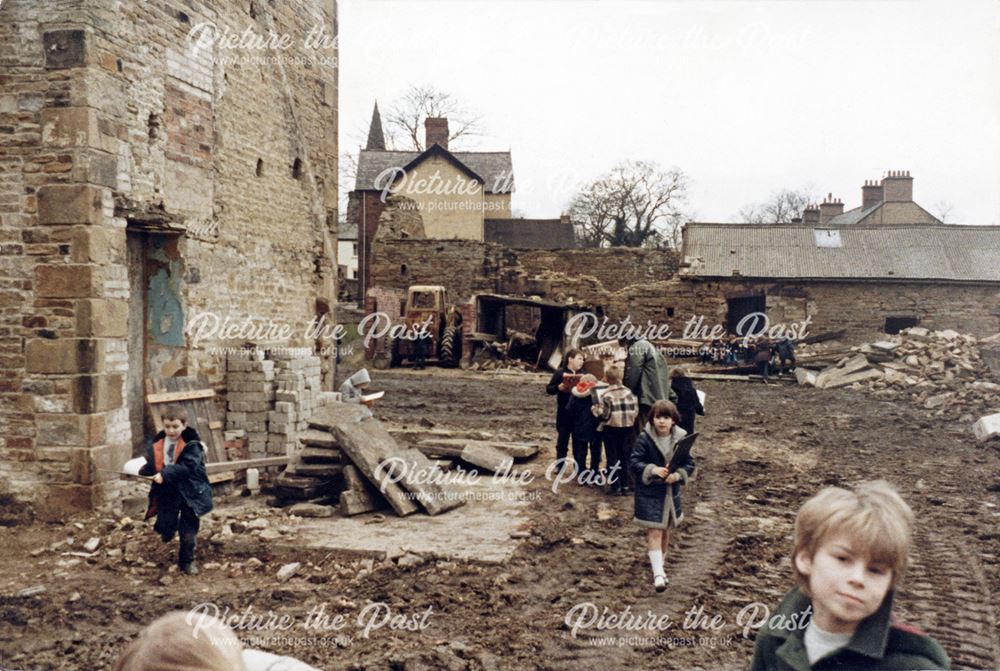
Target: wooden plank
point(316, 438)
point(737, 378)
point(302, 488)
point(215, 424)
point(359, 496)
point(355, 503)
point(228, 466)
point(319, 455)
point(221, 477)
point(417, 479)
point(182, 395)
point(518, 450)
point(367, 444)
point(317, 470)
point(488, 458)
point(153, 387)
point(203, 410)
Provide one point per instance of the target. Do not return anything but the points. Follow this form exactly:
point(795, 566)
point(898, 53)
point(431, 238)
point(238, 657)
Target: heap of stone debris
point(943, 371)
point(349, 457)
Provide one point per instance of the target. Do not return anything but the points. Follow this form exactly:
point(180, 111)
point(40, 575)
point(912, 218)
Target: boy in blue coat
point(181, 493)
point(850, 552)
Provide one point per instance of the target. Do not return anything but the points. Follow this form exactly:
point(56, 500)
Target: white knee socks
point(656, 561)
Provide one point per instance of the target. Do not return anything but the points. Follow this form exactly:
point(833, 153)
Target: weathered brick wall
point(110, 115)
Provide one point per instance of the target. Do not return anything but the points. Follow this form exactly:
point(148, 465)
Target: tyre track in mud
point(696, 554)
point(947, 593)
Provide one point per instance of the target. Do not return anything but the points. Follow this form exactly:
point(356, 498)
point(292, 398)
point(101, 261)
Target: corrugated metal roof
point(530, 233)
point(494, 167)
point(910, 252)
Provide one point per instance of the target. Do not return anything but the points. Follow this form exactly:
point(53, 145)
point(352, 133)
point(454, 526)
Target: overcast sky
point(745, 97)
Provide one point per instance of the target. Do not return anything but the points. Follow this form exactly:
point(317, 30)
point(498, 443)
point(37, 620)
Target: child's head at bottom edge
point(184, 641)
point(851, 549)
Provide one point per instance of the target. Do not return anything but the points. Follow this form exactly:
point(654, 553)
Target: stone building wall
point(643, 285)
point(859, 308)
point(148, 174)
point(622, 281)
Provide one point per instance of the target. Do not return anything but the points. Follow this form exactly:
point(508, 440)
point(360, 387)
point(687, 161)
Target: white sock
point(656, 561)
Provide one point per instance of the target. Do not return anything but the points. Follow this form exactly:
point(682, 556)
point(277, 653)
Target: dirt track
point(763, 451)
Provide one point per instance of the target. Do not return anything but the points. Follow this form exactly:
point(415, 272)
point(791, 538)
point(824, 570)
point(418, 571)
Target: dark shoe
point(189, 569)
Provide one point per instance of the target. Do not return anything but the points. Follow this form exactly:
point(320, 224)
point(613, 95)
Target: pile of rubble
point(349, 457)
point(942, 371)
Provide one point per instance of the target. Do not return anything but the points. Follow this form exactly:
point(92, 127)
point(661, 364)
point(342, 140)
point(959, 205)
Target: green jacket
point(877, 644)
point(647, 375)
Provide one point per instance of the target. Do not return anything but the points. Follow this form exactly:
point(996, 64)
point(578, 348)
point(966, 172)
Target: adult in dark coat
point(562, 381)
point(688, 403)
point(657, 489)
point(646, 375)
point(184, 494)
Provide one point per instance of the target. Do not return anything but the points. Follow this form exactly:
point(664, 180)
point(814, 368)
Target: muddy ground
point(764, 449)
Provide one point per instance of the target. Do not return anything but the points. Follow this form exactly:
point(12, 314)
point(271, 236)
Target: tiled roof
point(902, 252)
point(494, 167)
point(530, 233)
point(853, 216)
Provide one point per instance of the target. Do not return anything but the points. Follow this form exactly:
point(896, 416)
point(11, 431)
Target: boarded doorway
point(739, 308)
point(156, 345)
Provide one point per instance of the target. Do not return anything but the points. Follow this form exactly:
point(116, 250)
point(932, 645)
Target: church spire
point(376, 139)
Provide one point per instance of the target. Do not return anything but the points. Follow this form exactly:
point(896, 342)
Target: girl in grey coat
point(658, 490)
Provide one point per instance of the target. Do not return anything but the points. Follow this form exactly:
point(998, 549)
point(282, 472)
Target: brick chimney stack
point(871, 193)
point(810, 215)
point(436, 132)
point(829, 209)
point(898, 187)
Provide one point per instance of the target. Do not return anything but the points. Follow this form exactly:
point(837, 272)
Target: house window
point(894, 325)
point(670, 312)
point(354, 249)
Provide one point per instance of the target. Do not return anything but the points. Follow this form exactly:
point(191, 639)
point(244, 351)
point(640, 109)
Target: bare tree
point(944, 210)
point(780, 208)
point(637, 204)
point(405, 118)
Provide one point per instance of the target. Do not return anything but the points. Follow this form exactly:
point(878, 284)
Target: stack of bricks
point(250, 393)
point(297, 389)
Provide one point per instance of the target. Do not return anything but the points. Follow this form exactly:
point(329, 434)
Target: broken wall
point(218, 166)
point(644, 285)
point(621, 280)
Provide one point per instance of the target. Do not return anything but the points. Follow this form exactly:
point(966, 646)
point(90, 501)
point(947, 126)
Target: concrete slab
point(479, 530)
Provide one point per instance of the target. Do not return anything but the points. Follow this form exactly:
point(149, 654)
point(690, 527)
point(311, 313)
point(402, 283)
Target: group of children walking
point(639, 438)
point(850, 547)
point(849, 554)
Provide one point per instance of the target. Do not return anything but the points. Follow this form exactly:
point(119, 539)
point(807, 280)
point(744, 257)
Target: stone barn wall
point(149, 174)
point(645, 285)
